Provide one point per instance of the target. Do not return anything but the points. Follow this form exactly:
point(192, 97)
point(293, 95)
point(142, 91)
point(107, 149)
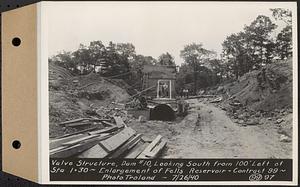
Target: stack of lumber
point(114, 141)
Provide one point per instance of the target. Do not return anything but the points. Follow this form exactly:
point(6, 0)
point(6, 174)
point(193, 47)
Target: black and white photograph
point(171, 80)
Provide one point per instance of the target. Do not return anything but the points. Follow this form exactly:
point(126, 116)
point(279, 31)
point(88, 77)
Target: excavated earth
point(207, 132)
point(72, 97)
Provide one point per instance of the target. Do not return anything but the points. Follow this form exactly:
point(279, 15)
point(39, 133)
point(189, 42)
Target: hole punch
point(16, 41)
point(16, 144)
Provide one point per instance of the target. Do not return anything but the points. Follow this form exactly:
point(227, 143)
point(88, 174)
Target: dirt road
point(207, 132)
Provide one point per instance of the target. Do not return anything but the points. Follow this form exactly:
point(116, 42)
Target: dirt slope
point(72, 97)
point(265, 90)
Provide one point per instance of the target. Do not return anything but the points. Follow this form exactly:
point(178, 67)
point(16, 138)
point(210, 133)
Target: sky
point(152, 27)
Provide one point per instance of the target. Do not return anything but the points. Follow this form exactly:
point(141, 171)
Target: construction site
point(92, 116)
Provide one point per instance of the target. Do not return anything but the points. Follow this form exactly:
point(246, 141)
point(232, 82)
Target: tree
point(218, 68)
point(239, 54)
point(259, 34)
point(194, 55)
point(284, 38)
point(64, 59)
point(250, 49)
point(166, 59)
point(233, 51)
point(126, 50)
point(184, 76)
point(97, 53)
point(83, 59)
point(284, 15)
point(284, 43)
point(116, 62)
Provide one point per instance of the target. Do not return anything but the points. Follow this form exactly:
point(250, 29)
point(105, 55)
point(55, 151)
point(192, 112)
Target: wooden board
point(105, 130)
point(157, 149)
point(79, 124)
point(78, 140)
point(78, 132)
point(127, 146)
point(153, 148)
point(137, 150)
point(66, 123)
point(58, 142)
point(95, 152)
point(75, 149)
point(117, 140)
point(108, 123)
point(72, 121)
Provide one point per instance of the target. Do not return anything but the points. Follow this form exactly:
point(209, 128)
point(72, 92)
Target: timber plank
point(78, 124)
point(108, 123)
point(157, 149)
point(66, 151)
point(57, 149)
point(153, 143)
point(72, 121)
point(73, 150)
point(117, 140)
point(137, 150)
point(58, 142)
point(95, 152)
point(127, 146)
point(151, 151)
point(77, 141)
point(78, 132)
point(108, 129)
point(81, 120)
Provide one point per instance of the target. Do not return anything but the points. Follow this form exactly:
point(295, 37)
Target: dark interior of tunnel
point(162, 112)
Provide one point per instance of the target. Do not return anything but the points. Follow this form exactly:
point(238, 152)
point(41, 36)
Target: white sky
point(152, 27)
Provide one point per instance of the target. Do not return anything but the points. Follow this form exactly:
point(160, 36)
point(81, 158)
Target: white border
point(43, 98)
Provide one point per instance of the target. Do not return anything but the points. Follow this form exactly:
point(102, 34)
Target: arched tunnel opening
point(162, 112)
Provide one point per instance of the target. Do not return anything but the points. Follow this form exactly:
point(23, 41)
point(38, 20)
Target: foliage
point(249, 49)
point(254, 47)
point(284, 15)
point(284, 38)
point(64, 59)
point(115, 59)
point(166, 59)
point(284, 43)
point(195, 55)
